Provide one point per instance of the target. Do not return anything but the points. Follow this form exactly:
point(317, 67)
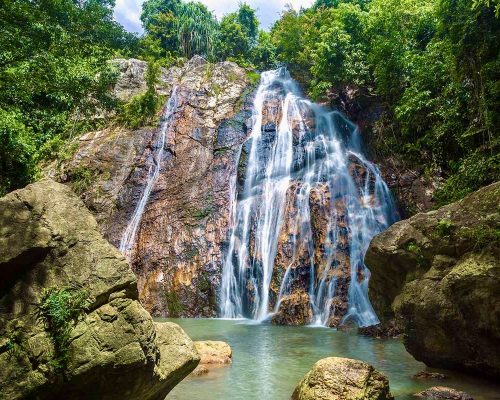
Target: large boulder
point(71, 325)
point(438, 275)
point(336, 378)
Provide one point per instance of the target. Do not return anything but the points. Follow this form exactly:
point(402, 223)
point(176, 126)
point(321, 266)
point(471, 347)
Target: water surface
point(269, 361)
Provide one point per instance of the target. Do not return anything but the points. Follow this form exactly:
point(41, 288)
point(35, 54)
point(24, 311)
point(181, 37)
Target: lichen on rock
point(336, 378)
point(48, 239)
point(438, 275)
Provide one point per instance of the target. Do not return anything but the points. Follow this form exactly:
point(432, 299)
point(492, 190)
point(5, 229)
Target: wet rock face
point(412, 188)
point(178, 253)
point(178, 250)
point(48, 239)
point(438, 275)
point(337, 378)
point(331, 255)
point(294, 309)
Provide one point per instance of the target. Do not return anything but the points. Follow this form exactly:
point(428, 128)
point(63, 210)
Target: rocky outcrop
point(443, 393)
point(294, 309)
point(213, 354)
point(438, 274)
point(413, 189)
point(71, 325)
point(177, 256)
point(131, 78)
point(337, 378)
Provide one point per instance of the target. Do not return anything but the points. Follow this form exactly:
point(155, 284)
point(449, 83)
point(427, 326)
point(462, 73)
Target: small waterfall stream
point(298, 150)
point(127, 241)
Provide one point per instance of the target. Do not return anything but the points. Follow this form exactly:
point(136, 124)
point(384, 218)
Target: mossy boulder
point(336, 378)
point(50, 249)
point(438, 275)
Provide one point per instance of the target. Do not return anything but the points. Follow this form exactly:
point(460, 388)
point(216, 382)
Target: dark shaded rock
point(48, 239)
point(429, 375)
point(384, 330)
point(438, 274)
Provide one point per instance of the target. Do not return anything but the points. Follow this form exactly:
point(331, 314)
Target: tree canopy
point(432, 65)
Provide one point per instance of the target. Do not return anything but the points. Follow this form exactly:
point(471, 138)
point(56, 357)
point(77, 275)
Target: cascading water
point(128, 238)
point(297, 148)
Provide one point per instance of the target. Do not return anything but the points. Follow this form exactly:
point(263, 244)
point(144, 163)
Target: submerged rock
point(54, 263)
point(443, 393)
point(213, 354)
point(438, 274)
point(429, 375)
point(336, 378)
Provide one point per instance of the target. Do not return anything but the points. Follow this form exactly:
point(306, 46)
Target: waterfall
point(127, 241)
point(298, 150)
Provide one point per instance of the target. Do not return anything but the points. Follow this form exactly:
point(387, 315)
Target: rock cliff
point(179, 243)
point(71, 325)
point(438, 274)
point(183, 234)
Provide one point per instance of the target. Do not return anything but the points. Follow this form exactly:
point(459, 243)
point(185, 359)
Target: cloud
point(268, 11)
point(128, 12)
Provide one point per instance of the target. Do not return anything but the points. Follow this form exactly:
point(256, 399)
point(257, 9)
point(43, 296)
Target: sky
point(127, 12)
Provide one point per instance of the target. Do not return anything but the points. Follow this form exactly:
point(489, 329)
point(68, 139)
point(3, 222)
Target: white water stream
point(129, 236)
point(307, 147)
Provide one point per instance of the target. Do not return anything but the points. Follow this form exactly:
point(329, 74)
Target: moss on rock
point(95, 341)
point(337, 378)
point(438, 275)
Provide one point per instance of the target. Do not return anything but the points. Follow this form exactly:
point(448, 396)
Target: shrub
point(142, 108)
point(59, 310)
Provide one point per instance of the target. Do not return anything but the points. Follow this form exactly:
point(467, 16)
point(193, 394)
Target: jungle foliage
point(54, 76)
point(432, 65)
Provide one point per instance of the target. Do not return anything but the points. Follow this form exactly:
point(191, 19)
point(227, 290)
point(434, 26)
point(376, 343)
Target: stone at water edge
point(438, 275)
point(49, 239)
point(383, 330)
point(336, 378)
point(295, 309)
point(213, 354)
point(429, 375)
point(442, 393)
